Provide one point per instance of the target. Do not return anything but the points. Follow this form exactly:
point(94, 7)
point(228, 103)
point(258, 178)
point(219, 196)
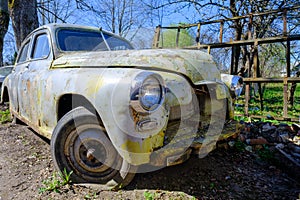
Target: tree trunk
point(238, 35)
point(4, 21)
point(237, 49)
point(24, 18)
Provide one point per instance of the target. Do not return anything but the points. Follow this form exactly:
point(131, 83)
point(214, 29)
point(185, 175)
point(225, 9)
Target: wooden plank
point(271, 80)
point(233, 18)
point(246, 42)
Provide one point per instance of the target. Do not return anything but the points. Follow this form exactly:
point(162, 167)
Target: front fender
point(112, 102)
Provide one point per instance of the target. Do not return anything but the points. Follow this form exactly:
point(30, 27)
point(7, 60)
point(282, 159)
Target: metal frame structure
point(254, 42)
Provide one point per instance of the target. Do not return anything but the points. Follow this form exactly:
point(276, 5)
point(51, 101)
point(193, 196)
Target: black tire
point(80, 144)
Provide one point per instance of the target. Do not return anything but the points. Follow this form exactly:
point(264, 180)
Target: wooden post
point(198, 35)
point(250, 27)
point(232, 59)
point(259, 75)
point(247, 98)
point(284, 22)
point(155, 43)
point(288, 58)
point(221, 31)
point(260, 97)
point(292, 91)
point(255, 59)
point(285, 97)
point(208, 49)
point(177, 37)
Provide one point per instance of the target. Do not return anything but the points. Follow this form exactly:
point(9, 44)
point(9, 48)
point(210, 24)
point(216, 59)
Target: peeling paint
point(93, 86)
point(196, 65)
point(144, 145)
point(138, 152)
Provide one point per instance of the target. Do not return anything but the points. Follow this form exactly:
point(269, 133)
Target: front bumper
point(190, 142)
point(178, 139)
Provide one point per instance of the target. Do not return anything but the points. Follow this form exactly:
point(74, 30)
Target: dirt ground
point(25, 163)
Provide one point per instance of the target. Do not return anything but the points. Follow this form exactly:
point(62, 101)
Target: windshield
point(84, 40)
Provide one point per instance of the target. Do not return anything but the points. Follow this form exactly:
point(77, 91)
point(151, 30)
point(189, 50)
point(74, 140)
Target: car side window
point(41, 47)
point(24, 52)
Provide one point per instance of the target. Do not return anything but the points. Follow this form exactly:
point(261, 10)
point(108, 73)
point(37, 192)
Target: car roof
point(54, 26)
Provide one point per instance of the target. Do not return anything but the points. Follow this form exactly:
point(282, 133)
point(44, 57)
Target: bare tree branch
point(51, 12)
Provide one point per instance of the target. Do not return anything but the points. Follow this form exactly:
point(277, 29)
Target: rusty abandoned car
point(110, 110)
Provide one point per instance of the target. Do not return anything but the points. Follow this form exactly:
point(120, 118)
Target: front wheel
point(80, 144)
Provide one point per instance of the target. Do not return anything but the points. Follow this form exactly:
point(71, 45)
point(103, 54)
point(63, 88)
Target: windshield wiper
point(104, 39)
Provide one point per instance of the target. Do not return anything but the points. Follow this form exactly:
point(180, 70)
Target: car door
point(15, 83)
point(33, 79)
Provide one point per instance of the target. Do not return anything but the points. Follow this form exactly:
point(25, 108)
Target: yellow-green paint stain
point(139, 151)
point(145, 145)
point(93, 86)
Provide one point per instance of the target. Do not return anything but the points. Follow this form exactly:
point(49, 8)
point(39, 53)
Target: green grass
point(153, 195)
point(91, 196)
point(148, 195)
point(5, 116)
point(272, 101)
point(56, 181)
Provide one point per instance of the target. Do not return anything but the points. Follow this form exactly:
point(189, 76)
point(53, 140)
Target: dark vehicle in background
point(4, 72)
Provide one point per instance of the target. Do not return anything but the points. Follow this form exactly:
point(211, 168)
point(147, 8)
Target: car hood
point(195, 64)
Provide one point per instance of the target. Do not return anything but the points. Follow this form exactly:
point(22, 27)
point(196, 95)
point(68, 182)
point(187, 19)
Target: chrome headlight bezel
point(143, 89)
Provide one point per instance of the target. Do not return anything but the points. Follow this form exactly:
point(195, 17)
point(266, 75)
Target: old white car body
point(137, 96)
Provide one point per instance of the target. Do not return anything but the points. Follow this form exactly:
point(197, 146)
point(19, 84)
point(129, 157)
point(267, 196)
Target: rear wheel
point(80, 144)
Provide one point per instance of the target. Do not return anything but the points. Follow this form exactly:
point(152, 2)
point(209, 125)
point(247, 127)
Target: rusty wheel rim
point(89, 150)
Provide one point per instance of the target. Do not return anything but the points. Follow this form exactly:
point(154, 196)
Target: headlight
point(151, 93)
point(147, 92)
